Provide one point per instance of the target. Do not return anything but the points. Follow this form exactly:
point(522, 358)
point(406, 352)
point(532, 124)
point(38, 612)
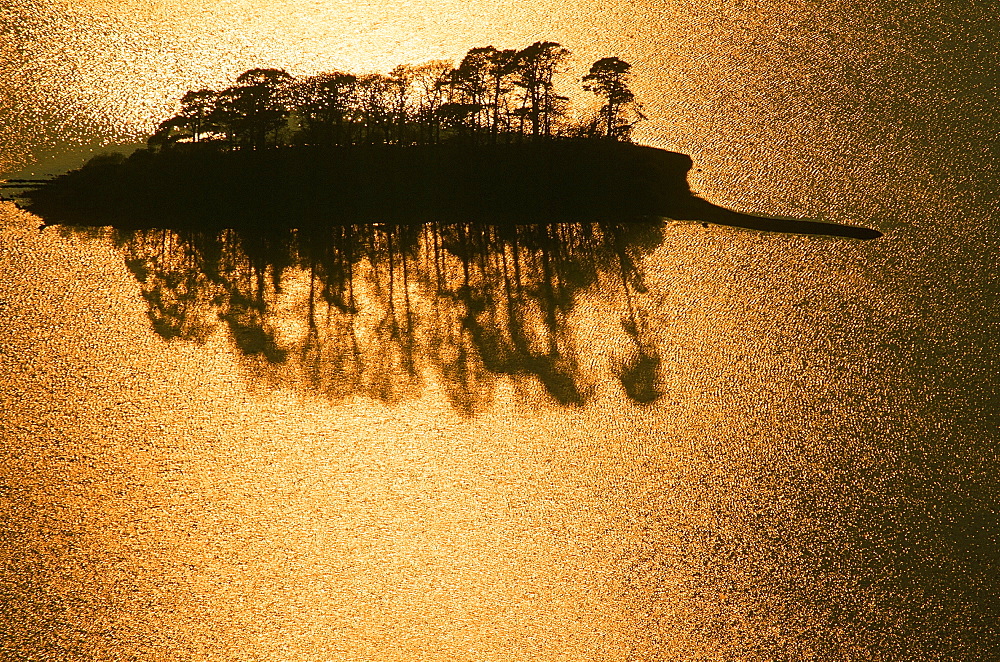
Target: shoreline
point(527, 183)
point(713, 214)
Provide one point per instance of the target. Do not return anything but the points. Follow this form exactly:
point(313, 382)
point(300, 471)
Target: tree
point(190, 123)
point(196, 109)
point(460, 117)
point(608, 79)
point(482, 80)
point(535, 66)
point(168, 132)
point(491, 95)
point(376, 102)
point(472, 82)
point(324, 102)
point(255, 109)
point(432, 80)
point(501, 68)
point(401, 88)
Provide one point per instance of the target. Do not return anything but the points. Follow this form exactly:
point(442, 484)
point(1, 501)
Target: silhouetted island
point(489, 139)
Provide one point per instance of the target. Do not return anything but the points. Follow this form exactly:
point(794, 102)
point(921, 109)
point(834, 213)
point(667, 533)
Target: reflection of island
point(377, 310)
point(490, 139)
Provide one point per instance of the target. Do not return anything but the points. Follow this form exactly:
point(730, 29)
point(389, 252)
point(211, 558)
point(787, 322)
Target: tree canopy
point(492, 96)
point(608, 79)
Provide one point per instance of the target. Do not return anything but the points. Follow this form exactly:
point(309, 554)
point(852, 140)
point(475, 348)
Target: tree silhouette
point(168, 132)
point(402, 79)
point(432, 80)
point(323, 104)
point(375, 108)
point(253, 112)
point(608, 79)
point(535, 68)
point(492, 95)
point(501, 69)
point(196, 109)
point(472, 84)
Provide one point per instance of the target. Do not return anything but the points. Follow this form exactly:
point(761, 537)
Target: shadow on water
point(399, 281)
point(380, 309)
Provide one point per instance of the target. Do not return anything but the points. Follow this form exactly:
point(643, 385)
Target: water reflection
point(383, 310)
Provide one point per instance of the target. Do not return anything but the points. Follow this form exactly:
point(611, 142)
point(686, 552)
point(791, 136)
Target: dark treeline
point(380, 309)
point(493, 96)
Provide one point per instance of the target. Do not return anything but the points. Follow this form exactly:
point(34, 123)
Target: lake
point(671, 442)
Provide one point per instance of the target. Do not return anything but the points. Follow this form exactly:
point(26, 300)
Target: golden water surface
point(809, 472)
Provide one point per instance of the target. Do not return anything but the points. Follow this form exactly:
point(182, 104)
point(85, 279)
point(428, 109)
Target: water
point(808, 473)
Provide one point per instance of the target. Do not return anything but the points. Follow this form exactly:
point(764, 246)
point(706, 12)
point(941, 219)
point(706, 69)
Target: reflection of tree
point(640, 375)
point(379, 309)
point(177, 291)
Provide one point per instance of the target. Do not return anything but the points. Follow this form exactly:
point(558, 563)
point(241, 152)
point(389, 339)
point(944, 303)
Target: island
point(489, 139)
